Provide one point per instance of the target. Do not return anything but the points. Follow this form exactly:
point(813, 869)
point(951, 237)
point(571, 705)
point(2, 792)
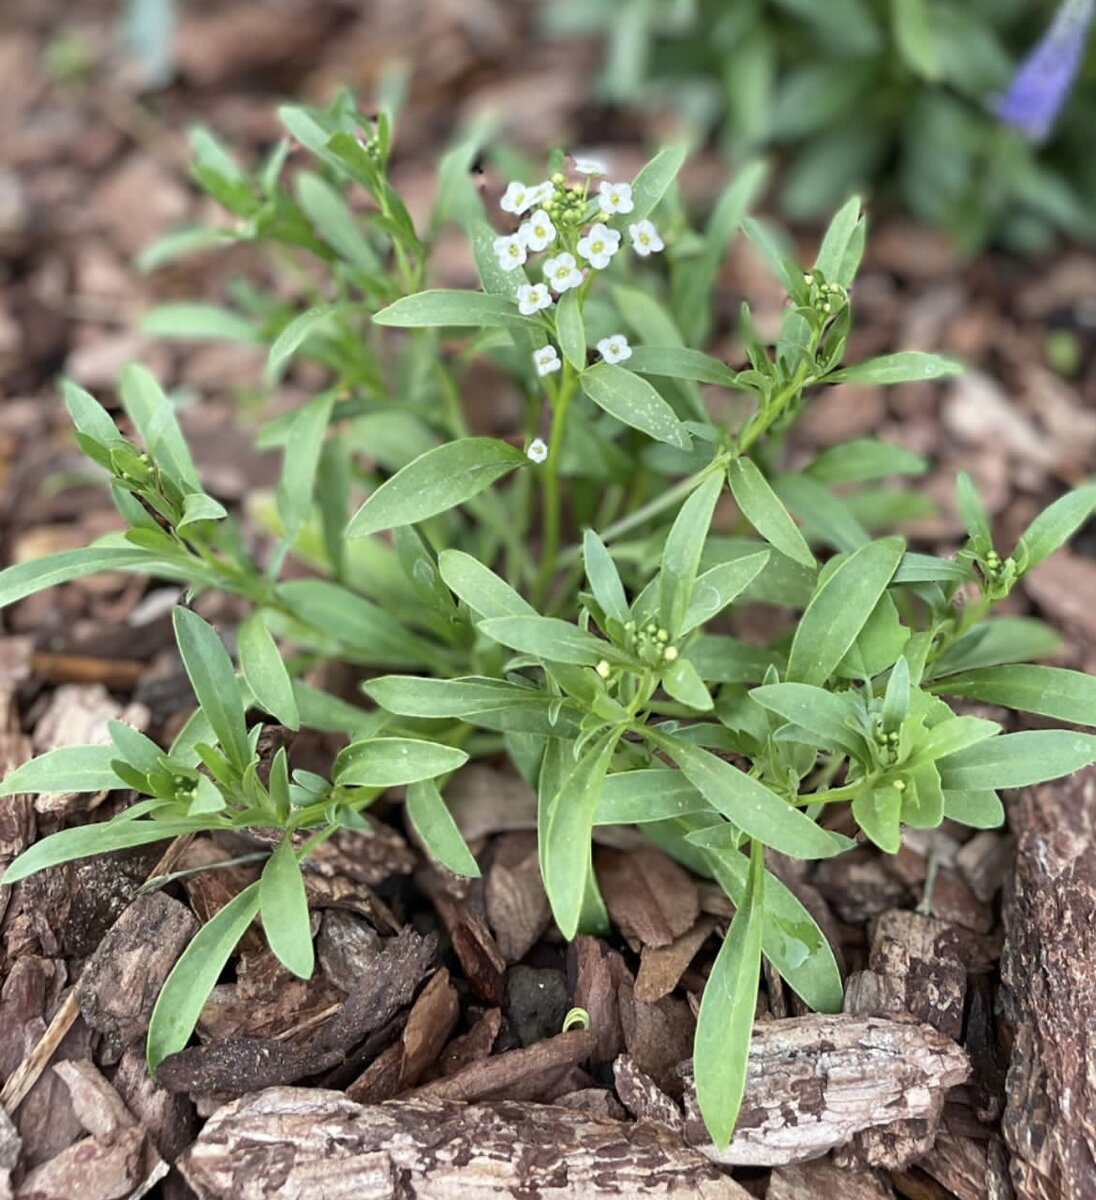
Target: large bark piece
point(1049, 976)
point(299, 1144)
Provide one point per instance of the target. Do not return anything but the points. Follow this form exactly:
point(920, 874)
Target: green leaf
point(717, 588)
point(783, 268)
point(980, 809)
point(1018, 760)
point(480, 588)
point(973, 511)
point(603, 577)
point(262, 666)
point(389, 762)
point(749, 804)
point(632, 401)
point(953, 735)
point(1054, 526)
point(923, 798)
point(1000, 640)
point(492, 703)
point(199, 322)
point(197, 506)
point(682, 550)
point(551, 639)
point(907, 366)
point(436, 481)
point(568, 829)
point(66, 769)
point(570, 329)
point(213, 679)
point(916, 38)
point(722, 1047)
point(26, 578)
point(678, 362)
point(761, 506)
point(863, 460)
point(824, 516)
point(839, 610)
point(654, 180)
point(1047, 691)
point(835, 244)
point(682, 682)
point(651, 794)
point(452, 309)
point(294, 335)
point(334, 221)
point(89, 416)
point(86, 841)
point(790, 938)
point(284, 908)
point(432, 820)
point(825, 715)
point(878, 813)
point(154, 416)
point(300, 461)
point(194, 976)
point(728, 660)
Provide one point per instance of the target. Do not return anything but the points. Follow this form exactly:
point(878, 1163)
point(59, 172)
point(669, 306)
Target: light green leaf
point(199, 322)
point(717, 588)
point(651, 794)
point(88, 415)
point(603, 577)
point(725, 1021)
point(197, 506)
point(749, 804)
point(825, 715)
point(835, 244)
point(262, 666)
point(878, 813)
point(390, 762)
point(1054, 526)
point(154, 416)
point(678, 362)
point(284, 908)
point(1000, 640)
point(980, 809)
point(839, 610)
point(480, 588)
point(683, 683)
point(570, 819)
point(1048, 691)
point(213, 679)
point(632, 401)
point(682, 550)
point(824, 516)
point(452, 309)
point(864, 460)
point(432, 820)
point(915, 37)
point(335, 223)
point(194, 976)
point(300, 461)
point(907, 366)
point(923, 798)
point(294, 335)
point(570, 329)
point(1018, 760)
point(654, 180)
point(26, 578)
point(761, 506)
point(436, 481)
point(551, 639)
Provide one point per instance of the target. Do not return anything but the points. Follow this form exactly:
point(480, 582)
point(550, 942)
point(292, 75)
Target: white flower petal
point(614, 349)
point(589, 166)
point(517, 198)
point(537, 450)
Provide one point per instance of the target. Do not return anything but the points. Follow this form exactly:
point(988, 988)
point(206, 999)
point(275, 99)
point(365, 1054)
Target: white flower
point(541, 193)
point(589, 166)
point(532, 297)
point(562, 273)
point(645, 239)
point(546, 360)
point(599, 245)
point(518, 198)
point(537, 451)
point(615, 197)
point(510, 251)
point(614, 349)
point(538, 232)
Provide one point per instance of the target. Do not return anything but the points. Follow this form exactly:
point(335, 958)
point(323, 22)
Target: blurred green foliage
point(892, 96)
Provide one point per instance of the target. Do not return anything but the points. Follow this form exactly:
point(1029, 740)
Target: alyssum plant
point(573, 617)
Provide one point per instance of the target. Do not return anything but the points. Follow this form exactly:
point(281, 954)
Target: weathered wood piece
point(825, 1181)
point(1049, 991)
point(301, 1144)
point(816, 1082)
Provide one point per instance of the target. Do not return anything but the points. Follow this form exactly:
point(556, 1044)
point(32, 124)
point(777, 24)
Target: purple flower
point(1043, 80)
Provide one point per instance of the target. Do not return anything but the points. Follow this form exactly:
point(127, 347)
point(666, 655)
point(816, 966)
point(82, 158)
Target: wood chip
point(825, 1181)
point(643, 1098)
point(121, 981)
point(480, 957)
point(598, 973)
point(516, 903)
point(484, 800)
point(650, 899)
point(1049, 990)
point(657, 1036)
point(289, 1142)
point(661, 967)
point(472, 1046)
point(815, 1082)
point(959, 1164)
point(984, 863)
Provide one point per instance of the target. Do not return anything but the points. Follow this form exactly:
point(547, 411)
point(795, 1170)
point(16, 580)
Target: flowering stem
point(549, 551)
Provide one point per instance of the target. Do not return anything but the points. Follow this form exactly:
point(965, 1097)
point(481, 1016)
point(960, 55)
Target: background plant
point(892, 94)
point(558, 601)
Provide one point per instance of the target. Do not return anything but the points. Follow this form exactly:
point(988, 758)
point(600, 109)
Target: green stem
point(549, 551)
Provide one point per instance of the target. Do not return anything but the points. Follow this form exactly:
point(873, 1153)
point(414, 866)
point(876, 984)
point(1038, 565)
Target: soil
point(425, 1058)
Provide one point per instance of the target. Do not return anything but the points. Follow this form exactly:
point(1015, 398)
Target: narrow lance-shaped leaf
point(717, 588)
point(831, 254)
point(1048, 691)
point(603, 577)
point(1018, 760)
point(633, 401)
point(26, 578)
point(66, 769)
point(453, 309)
point(434, 823)
point(193, 977)
point(480, 588)
point(907, 366)
point(654, 180)
point(390, 762)
point(839, 610)
point(721, 1050)
point(436, 481)
point(682, 551)
point(1054, 526)
point(551, 639)
point(214, 682)
point(570, 329)
point(284, 908)
point(764, 510)
point(264, 670)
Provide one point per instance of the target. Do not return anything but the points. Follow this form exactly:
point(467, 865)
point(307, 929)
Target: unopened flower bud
point(670, 654)
point(603, 669)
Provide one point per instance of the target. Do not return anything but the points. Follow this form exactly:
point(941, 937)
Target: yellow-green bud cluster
point(826, 298)
point(567, 205)
point(650, 643)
